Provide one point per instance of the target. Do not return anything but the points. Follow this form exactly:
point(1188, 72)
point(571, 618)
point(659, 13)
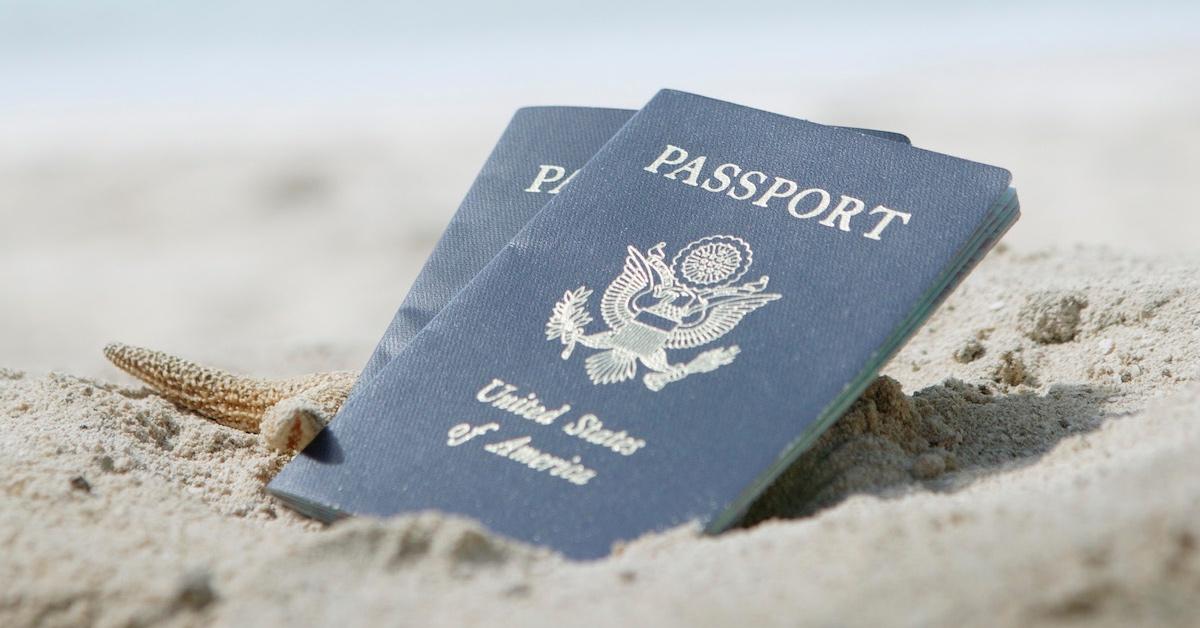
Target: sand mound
point(887, 442)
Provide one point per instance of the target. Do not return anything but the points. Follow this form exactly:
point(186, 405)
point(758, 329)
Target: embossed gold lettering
point(847, 207)
point(747, 184)
point(547, 173)
point(888, 215)
point(751, 187)
point(590, 428)
point(671, 156)
point(780, 188)
point(719, 175)
point(520, 450)
point(693, 168)
point(820, 208)
point(464, 432)
point(500, 395)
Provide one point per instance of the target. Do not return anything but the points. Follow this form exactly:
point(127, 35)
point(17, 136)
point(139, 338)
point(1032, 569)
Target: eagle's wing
point(616, 304)
point(718, 321)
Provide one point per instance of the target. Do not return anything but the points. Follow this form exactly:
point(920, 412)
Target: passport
point(666, 335)
point(536, 157)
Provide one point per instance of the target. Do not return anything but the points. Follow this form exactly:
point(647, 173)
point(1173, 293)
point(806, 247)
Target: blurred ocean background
point(266, 177)
point(277, 58)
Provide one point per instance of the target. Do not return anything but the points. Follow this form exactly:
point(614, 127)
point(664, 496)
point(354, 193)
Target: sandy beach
point(1029, 458)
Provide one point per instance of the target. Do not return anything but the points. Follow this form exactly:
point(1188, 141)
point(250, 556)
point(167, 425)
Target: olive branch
point(569, 318)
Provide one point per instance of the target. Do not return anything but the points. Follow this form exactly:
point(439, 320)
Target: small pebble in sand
point(970, 351)
point(1012, 371)
point(1052, 317)
point(80, 483)
point(195, 590)
point(1106, 346)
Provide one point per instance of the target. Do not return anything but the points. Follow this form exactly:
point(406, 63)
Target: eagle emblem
point(653, 307)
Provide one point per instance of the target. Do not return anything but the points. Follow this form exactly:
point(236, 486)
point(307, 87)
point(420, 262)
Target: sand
point(1029, 458)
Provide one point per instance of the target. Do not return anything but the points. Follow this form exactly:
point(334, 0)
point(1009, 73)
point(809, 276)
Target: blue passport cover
point(536, 157)
point(660, 340)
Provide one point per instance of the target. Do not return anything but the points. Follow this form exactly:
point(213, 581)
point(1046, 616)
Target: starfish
point(287, 412)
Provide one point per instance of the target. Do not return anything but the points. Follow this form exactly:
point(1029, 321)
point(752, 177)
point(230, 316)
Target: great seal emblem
point(653, 307)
